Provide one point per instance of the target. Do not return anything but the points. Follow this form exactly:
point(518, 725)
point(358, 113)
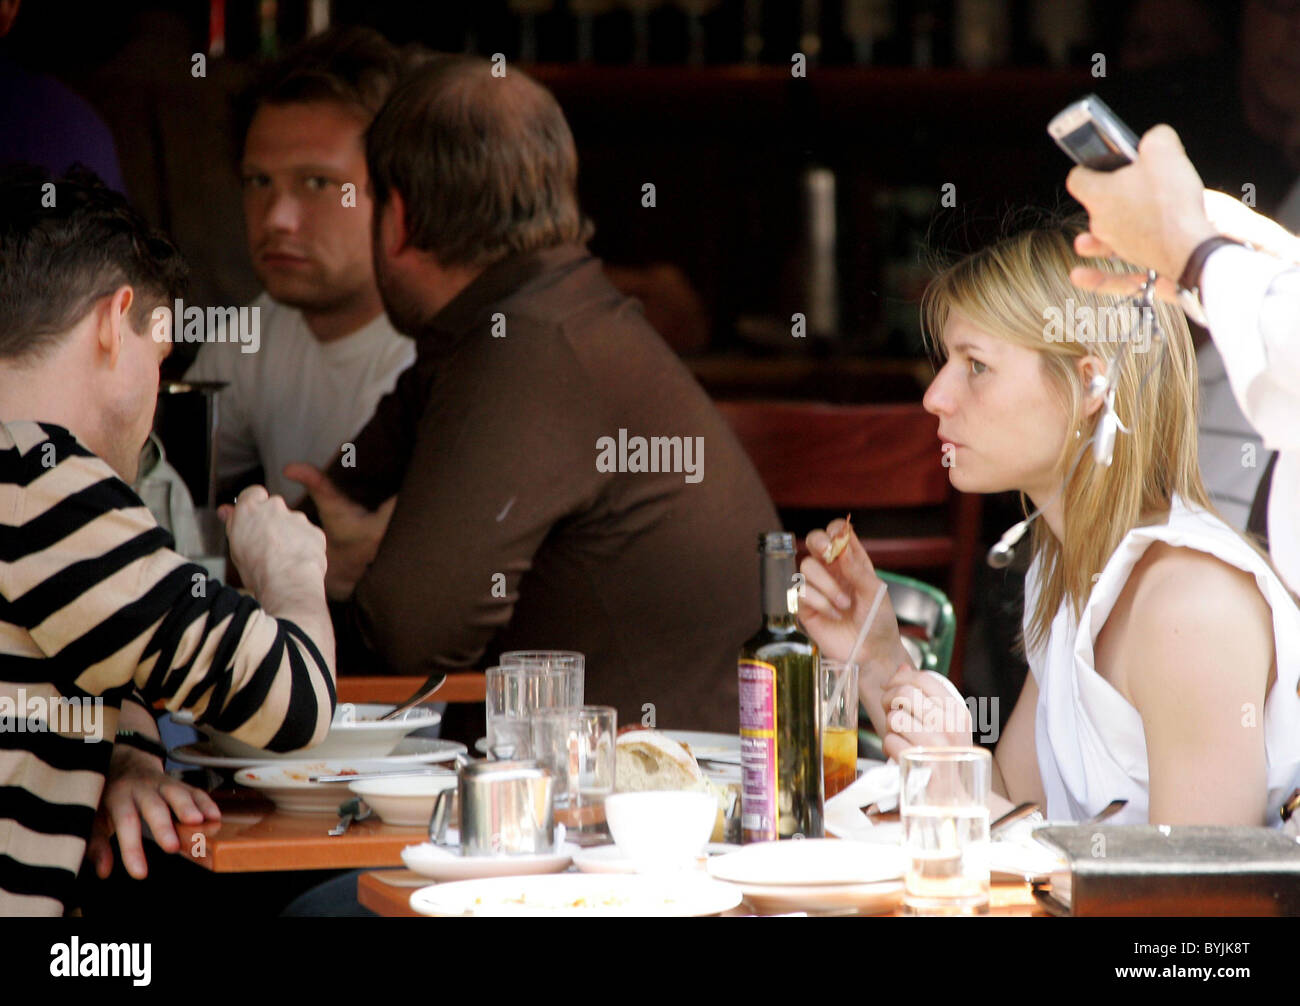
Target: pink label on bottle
point(758, 797)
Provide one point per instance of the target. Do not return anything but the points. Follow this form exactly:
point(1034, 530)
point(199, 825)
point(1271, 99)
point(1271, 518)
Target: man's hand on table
point(352, 532)
point(137, 788)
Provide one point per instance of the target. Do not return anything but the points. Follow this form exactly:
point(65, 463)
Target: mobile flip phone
point(1093, 135)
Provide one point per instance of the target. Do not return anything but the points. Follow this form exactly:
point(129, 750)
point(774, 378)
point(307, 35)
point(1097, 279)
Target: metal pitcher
point(507, 808)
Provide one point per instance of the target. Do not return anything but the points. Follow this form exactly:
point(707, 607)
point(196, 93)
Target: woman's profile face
point(996, 409)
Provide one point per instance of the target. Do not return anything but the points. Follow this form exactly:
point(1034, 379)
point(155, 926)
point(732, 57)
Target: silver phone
point(1093, 135)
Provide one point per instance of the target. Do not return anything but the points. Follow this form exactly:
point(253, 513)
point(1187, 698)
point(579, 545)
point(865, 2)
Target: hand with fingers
point(1227, 215)
point(1151, 213)
point(834, 605)
point(270, 544)
point(138, 790)
point(923, 710)
point(352, 532)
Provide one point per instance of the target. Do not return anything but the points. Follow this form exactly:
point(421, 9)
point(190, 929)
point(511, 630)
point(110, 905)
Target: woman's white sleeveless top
point(1090, 741)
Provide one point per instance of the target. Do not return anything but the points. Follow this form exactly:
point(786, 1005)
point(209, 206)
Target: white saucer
point(441, 864)
point(866, 899)
point(811, 862)
point(412, 751)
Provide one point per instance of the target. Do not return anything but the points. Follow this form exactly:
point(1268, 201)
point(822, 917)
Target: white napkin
point(844, 817)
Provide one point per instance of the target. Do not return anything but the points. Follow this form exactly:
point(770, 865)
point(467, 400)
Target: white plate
point(555, 896)
point(288, 786)
point(715, 747)
point(444, 865)
point(810, 862)
point(412, 751)
point(867, 899)
point(608, 858)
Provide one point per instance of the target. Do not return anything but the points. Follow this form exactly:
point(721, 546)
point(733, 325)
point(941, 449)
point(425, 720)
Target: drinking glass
point(839, 724)
point(943, 800)
point(568, 660)
point(576, 745)
point(513, 695)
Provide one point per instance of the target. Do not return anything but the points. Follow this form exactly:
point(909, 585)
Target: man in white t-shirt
point(326, 351)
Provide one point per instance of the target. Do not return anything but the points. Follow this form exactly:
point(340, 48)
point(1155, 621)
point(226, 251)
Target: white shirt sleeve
point(1252, 301)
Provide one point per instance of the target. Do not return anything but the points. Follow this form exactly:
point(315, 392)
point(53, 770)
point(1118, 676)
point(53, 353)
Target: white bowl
point(661, 830)
point(289, 787)
point(360, 737)
point(404, 800)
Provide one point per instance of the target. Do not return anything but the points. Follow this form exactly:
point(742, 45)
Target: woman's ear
point(1092, 372)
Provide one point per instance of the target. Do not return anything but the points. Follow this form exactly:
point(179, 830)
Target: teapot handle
point(440, 816)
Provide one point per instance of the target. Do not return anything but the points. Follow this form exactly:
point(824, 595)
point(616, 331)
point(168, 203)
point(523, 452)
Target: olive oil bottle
point(780, 710)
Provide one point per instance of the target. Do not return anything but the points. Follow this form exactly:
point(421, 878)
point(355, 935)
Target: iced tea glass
point(839, 724)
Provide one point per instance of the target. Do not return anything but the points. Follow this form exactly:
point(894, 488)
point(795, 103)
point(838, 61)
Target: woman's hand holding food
point(839, 589)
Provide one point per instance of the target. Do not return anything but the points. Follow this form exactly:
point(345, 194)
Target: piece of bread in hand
point(839, 543)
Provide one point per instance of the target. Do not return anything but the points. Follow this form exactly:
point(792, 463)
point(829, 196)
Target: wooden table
point(253, 836)
point(388, 893)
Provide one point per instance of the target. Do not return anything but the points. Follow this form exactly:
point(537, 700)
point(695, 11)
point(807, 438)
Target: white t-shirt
point(297, 399)
point(1090, 740)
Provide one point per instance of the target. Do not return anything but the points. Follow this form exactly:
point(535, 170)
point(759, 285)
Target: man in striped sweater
point(98, 615)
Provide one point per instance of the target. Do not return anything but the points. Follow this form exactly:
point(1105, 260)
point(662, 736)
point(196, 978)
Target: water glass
point(943, 800)
point(576, 745)
point(567, 660)
point(513, 695)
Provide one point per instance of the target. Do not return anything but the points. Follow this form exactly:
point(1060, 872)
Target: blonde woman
point(1164, 651)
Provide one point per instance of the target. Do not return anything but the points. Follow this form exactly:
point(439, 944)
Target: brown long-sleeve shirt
point(512, 532)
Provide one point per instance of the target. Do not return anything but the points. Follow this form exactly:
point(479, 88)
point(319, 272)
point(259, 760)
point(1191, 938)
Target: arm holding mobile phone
point(1156, 214)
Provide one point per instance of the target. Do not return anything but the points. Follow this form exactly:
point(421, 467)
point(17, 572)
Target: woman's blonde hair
point(1019, 290)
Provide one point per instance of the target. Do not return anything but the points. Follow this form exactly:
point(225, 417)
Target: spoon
point(423, 692)
point(352, 810)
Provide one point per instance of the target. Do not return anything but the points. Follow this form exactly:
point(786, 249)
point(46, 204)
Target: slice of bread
point(649, 760)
